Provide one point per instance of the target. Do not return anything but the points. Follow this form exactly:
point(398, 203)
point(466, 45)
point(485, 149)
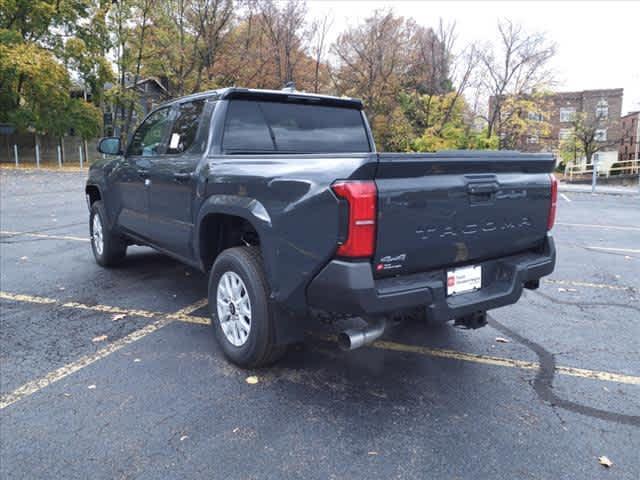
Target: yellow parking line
point(607, 227)
point(611, 249)
point(586, 284)
point(164, 319)
point(32, 387)
point(26, 298)
point(47, 236)
point(183, 315)
point(505, 362)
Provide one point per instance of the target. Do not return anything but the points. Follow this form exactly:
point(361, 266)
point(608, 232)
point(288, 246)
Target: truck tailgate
point(454, 208)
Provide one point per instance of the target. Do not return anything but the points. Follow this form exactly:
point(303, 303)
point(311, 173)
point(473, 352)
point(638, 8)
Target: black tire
point(114, 247)
point(259, 348)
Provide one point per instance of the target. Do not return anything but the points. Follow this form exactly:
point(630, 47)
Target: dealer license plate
point(464, 279)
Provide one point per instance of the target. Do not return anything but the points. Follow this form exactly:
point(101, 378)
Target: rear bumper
point(349, 287)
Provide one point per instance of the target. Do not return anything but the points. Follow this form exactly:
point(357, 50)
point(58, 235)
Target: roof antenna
point(289, 87)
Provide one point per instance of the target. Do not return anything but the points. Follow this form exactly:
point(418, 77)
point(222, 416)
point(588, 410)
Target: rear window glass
point(254, 127)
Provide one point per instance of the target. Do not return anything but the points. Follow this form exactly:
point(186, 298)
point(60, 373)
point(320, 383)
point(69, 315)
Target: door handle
point(182, 176)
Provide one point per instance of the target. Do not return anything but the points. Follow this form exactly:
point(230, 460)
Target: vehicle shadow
point(364, 379)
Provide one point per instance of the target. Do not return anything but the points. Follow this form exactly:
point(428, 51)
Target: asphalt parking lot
point(115, 374)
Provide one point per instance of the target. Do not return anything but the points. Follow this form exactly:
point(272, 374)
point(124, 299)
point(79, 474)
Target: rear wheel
point(108, 248)
point(242, 319)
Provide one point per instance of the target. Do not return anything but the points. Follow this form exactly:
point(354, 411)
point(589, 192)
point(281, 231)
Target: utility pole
point(594, 164)
point(638, 146)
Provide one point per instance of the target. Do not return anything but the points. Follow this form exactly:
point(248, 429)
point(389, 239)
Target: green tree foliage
point(37, 38)
point(413, 82)
point(584, 140)
point(429, 123)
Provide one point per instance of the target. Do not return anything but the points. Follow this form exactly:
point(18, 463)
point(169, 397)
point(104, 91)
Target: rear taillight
point(361, 234)
point(554, 203)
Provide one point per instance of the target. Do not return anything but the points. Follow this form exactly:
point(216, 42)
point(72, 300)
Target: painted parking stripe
point(184, 315)
point(586, 284)
point(565, 197)
point(45, 236)
point(612, 249)
point(32, 387)
point(606, 227)
point(504, 362)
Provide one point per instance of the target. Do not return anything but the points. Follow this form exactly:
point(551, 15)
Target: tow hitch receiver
point(472, 321)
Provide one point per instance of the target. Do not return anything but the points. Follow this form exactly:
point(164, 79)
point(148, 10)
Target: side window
point(185, 128)
point(246, 129)
point(147, 140)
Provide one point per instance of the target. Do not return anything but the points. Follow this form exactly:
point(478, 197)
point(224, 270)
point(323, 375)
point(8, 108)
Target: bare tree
point(373, 59)
point(320, 29)
point(430, 57)
point(144, 8)
point(519, 66)
point(591, 135)
point(284, 28)
point(212, 21)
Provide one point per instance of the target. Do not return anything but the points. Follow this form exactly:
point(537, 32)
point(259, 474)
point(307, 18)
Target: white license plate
point(465, 279)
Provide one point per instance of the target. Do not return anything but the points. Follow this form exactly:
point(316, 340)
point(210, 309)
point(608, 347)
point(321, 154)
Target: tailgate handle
point(480, 188)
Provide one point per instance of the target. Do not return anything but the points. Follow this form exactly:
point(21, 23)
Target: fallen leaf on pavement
point(252, 380)
point(99, 338)
point(604, 461)
point(502, 340)
point(118, 316)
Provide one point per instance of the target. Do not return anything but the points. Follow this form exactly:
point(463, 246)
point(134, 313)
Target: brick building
point(629, 148)
point(602, 106)
point(559, 110)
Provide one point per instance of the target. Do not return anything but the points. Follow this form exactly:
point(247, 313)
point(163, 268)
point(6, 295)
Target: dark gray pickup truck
point(283, 199)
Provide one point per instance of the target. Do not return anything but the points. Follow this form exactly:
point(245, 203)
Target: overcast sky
point(598, 41)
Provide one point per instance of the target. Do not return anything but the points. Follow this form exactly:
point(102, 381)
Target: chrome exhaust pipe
point(359, 337)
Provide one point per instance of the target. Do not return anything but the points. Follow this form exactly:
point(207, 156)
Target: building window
point(535, 116)
point(533, 138)
point(567, 114)
point(601, 135)
point(565, 134)
point(602, 110)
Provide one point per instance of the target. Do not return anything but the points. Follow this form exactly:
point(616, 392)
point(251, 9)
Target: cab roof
point(272, 95)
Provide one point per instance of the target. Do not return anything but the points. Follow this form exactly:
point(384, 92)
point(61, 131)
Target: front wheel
point(108, 248)
point(242, 318)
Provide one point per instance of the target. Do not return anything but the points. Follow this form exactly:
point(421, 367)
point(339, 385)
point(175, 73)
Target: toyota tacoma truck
point(283, 200)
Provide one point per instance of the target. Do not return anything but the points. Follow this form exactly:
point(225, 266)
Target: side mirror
point(110, 146)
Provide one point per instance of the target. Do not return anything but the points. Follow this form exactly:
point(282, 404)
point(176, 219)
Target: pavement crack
point(543, 382)
point(586, 304)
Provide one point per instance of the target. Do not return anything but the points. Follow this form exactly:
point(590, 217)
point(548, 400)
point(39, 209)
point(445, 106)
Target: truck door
point(172, 192)
point(132, 179)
